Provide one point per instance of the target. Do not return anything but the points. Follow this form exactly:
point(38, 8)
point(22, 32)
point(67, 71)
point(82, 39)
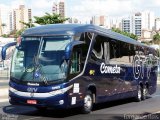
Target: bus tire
point(87, 103)
point(144, 93)
point(139, 94)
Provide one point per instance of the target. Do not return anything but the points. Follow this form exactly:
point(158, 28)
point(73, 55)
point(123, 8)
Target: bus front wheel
point(88, 103)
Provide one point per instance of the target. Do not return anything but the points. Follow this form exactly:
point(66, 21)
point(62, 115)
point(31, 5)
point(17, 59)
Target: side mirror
point(4, 49)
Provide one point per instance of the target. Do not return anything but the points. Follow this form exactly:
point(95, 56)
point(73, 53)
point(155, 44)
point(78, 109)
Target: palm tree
point(29, 24)
point(50, 19)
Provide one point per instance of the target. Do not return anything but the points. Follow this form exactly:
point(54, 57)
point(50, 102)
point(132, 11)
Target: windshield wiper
point(35, 70)
point(38, 69)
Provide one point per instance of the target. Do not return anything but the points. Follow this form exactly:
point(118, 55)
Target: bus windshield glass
point(40, 60)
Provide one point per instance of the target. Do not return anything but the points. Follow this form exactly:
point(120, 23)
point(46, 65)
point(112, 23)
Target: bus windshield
point(40, 60)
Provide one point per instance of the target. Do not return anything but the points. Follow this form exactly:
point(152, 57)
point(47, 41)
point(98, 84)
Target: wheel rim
point(139, 94)
point(145, 92)
point(88, 102)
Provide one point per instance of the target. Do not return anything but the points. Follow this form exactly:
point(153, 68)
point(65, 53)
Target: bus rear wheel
point(88, 103)
point(145, 92)
point(139, 94)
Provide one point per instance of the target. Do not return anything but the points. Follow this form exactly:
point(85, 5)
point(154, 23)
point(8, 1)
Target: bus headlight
point(57, 92)
point(12, 89)
point(61, 91)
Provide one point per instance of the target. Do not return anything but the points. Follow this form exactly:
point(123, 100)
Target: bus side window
point(75, 61)
point(97, 54)
point(114, 51)
point(106, 52)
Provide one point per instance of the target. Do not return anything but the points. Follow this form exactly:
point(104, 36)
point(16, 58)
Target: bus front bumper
point(57, 101)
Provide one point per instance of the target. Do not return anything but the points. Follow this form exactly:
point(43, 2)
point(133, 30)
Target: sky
point(85, 9)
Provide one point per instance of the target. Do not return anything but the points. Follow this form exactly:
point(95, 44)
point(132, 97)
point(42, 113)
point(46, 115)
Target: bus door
point(75, 67)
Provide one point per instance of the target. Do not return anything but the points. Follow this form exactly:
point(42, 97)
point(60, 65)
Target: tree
point(19, 32)
point(50, 19)
point(29, 24)
point(131, 35)
point(156, 38)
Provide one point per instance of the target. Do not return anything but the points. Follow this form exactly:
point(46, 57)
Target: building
point(4, 20)
point(126, 25)
point(106, 21)
point(147, 35)
point(133, 24)
point(10, 21)
point(95, 20)
point(29, 14)
point(55, 8)
point(113, 23)
point(99, 20)
point(73, 20)
point(59, 8)
point(137, 24)
point(157, 24)
point(148, 20)
point(21, 14)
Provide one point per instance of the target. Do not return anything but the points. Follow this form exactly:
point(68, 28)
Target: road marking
point(32, 118)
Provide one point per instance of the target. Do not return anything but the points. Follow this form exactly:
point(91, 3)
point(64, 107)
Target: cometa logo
point(109, 69)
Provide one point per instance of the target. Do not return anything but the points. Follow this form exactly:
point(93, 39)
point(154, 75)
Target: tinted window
point(112, 51)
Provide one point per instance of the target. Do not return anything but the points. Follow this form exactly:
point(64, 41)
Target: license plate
point(32, 101)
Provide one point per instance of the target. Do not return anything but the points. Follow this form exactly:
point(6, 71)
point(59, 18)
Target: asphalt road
point(116, 110)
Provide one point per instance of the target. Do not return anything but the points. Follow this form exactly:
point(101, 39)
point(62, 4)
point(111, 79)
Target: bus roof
point(71, 29)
